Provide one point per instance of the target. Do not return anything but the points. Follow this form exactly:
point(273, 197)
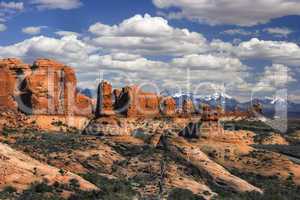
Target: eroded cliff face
point(134, 102)
point(7, 83)
point(188, 107)
point(168, 106)
point(12, 72)
point(104, 100)
point(52, 88)
point(47, 87)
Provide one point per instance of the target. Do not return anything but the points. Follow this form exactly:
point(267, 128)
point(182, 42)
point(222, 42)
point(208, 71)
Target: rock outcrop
point(7, 87)
point(133, 102)
point(84, 105)
point(47, 87)
point(51, 88)
point(12, 71)
point(15, 66)
point(20, 171)
point(218, 174)
point(188, 107)
point(210, 121)
point(104, 99)
point(168, 106)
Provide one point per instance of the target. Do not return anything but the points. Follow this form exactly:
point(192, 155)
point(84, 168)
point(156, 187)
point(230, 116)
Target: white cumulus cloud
point(281, 52)
point(209, 62)
point(239, 12)
point(147, 35)
point(276, 76)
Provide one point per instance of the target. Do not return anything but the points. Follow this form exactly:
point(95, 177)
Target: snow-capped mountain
point(269, 104)
point(216, 96)
point(211, 99)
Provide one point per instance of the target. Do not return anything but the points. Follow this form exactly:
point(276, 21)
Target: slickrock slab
point(219, 175)
point(20, 171)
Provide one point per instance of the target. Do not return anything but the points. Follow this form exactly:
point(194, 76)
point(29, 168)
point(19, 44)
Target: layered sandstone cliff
point(133, 102)
point(47, 87)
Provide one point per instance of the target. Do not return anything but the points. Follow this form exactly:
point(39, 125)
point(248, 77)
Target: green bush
point(9, 189)
point(40, 191)
point(183, 194)
point(274, 189)
point(112, 189)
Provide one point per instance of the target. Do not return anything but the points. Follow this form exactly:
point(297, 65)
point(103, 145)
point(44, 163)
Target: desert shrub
point(87, 195)
point(129, 150)
point(112, 189)
point(6, 131)
point(274, 189)
point(40, 191)
point(9, 189)
point(255, 126)
point(58, 124)
point(46, 143)
point(8, 193)
point(74, 184)
point(183, 194)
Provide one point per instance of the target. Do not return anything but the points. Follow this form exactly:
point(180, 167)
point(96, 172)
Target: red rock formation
point(209, 115)
point(7, 86)
point(188, 107)
point(220, 110)
point(15, 66)
point(52, 88)
point(133, 102)
point(168, 106)
point(116, 94)
point(210, 120)
point(104, 99)
point(12, 73)
point(46, 87)
point(84, 105)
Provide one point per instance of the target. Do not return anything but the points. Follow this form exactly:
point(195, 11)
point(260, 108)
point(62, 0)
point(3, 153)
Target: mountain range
point(269, 104)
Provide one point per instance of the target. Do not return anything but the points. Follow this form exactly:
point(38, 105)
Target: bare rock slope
point(21, 171)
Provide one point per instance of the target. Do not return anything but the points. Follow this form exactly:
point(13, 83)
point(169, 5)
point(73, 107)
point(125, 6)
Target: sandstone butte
point(47, 87)
point(132, 101)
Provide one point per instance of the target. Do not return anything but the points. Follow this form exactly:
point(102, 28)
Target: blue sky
point(189, 45)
